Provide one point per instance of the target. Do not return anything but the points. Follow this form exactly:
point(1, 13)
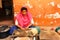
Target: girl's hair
point(23, 8)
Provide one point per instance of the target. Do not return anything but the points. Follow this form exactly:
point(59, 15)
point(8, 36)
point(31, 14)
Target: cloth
point(58, 28)
point(16, 22)
point(24, 21)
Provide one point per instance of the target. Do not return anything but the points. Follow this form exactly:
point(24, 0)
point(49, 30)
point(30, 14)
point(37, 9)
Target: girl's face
point(24, 12)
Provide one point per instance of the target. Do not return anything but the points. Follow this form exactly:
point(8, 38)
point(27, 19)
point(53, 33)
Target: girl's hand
point(26, 28)
point(23, 29)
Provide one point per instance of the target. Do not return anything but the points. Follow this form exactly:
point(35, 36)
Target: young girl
point(23, 21)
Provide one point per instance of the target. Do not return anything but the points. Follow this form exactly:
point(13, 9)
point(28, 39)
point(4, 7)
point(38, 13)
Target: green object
point(38, 28)
point(58, 28)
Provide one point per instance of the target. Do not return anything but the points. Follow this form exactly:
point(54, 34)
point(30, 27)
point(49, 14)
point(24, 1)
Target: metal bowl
point(4, 31)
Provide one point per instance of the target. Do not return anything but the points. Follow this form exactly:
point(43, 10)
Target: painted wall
point(44, 12)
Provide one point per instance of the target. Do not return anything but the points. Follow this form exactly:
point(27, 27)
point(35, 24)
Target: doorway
point(6, 16)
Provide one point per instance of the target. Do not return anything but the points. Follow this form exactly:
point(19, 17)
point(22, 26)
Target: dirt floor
point(6, 22)
point(49, 35)
point(8, 38)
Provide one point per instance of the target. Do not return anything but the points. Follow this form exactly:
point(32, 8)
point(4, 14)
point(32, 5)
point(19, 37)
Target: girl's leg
point(12, 29)
point(37, 27)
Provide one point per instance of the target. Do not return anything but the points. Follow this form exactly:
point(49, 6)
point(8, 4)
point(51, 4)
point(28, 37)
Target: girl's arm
point(16, 23)
point(31, 23)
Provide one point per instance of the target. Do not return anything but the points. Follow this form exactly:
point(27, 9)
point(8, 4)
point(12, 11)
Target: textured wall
point(44, 12)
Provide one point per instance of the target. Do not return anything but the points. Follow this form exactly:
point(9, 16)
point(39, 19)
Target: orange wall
point(44, 12)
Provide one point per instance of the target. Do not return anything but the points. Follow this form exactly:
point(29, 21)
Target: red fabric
point(23, 21)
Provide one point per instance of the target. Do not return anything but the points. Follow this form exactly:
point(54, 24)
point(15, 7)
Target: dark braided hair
point(23, 8)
